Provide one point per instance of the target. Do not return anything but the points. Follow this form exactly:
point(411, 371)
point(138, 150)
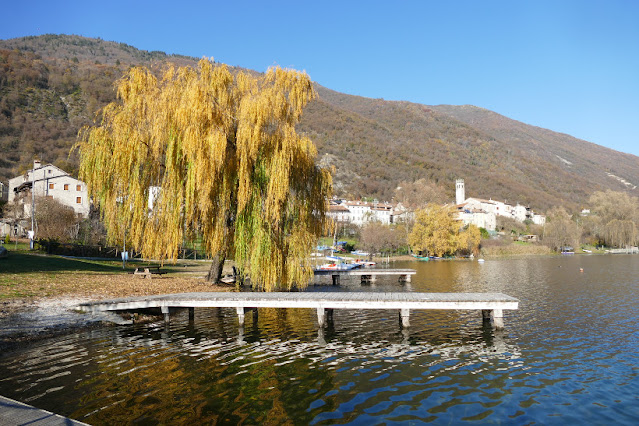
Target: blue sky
point(569, 66)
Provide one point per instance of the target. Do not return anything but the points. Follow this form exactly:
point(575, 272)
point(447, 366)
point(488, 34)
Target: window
point(78, 200)
point(51, 185)
point(66, 186)
point(78, 188)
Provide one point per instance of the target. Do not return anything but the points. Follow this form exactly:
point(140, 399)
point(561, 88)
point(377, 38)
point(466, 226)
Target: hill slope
point(50, 86)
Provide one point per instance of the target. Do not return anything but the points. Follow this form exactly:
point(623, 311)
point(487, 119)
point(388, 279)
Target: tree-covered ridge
point(53, 85)
point(82, 49)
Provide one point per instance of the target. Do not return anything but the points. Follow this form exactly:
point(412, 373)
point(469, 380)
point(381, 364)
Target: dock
point(366, 274)
point(491, 305)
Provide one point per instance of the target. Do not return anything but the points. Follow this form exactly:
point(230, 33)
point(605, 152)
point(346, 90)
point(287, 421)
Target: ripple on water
point(568, 354)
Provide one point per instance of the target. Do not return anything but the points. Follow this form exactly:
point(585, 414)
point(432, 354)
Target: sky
point(569, 66)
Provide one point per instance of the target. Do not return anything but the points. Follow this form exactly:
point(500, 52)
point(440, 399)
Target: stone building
point(52, 182)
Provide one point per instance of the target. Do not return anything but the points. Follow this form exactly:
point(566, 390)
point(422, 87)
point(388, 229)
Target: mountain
point(52, 85)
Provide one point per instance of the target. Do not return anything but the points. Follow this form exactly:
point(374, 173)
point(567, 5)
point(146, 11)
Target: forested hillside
point(51, 86)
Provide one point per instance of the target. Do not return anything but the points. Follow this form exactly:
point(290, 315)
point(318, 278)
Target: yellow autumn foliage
point(437, 233)
point(230, 167)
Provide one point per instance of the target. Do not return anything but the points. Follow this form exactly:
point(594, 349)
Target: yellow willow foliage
point(230, 166)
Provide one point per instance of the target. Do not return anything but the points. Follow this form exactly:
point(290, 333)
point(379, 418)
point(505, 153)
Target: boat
point(421, 258)
point(338, 266)
point(480, 260)
point(364, 263)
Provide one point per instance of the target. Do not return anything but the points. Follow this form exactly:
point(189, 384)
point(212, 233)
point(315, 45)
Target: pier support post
point(495, 317)
point(367, 279)
point(321, 317)
point(498, 319)
point(165, 311)
point(335, 279)
point(404, 278)
point(240, 315)
point(191, 314)
point(405, 315)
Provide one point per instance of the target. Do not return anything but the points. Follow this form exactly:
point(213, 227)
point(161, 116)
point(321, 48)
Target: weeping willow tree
point(230, 168)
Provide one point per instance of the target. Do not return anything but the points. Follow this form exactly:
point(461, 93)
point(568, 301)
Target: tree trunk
point(215, 273)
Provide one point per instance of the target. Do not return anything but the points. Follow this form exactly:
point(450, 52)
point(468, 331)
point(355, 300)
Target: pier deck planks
point(333, 300)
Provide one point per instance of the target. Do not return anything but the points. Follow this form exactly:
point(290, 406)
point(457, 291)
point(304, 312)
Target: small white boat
point(337, 266)
point(364, 263)
point(480, 260)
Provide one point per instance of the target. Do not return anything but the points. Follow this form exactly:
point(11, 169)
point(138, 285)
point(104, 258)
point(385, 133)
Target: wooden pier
point(491, 305)
point(367, 274)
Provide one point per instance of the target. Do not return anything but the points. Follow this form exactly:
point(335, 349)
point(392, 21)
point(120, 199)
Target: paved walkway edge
point(17, 413)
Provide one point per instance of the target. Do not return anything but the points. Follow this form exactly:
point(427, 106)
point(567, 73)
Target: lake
point(569, 354)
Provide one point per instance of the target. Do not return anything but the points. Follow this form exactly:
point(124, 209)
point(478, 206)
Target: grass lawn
point(30, 274)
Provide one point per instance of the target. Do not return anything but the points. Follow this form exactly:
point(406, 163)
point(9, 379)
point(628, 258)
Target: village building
point(478, 211)
point(479, 218)
point(362, 212)
point(52, 182)
point(4, 192)
point(339, 213)
point(539, 219)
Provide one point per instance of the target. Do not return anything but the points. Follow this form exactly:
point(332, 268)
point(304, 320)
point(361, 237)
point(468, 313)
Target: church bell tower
point(460, 192)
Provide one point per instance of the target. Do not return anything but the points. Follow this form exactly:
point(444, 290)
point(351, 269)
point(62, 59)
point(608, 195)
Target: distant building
point(478, 211)
point(4, 192)
point(477, 217)
point(539, 219)
point(362, 212)
point(339, 213)
point(52, 182)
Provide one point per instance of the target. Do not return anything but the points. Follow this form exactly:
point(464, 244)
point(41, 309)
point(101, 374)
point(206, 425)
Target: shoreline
point(42, 305)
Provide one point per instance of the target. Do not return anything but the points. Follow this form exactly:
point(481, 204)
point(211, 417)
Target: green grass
point(25, 262)
point(29, 262)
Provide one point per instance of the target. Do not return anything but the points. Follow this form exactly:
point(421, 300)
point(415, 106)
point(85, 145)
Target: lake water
point(568, 355)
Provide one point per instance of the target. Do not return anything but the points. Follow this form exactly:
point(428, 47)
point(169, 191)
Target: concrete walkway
point(491, 304)
point(16, 413)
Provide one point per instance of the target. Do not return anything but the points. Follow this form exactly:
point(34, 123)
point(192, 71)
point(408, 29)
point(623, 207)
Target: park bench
point(148, 271)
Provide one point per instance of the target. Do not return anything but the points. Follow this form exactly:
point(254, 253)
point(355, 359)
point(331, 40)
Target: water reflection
point(568, 354)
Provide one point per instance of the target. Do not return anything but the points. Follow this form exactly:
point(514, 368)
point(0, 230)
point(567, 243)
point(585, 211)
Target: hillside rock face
point(53, 85)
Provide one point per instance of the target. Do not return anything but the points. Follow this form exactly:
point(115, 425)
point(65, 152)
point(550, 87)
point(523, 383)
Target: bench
point(148, 271)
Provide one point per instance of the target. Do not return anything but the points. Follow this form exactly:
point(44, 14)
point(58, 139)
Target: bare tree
point(55, 221)
point(560, 230)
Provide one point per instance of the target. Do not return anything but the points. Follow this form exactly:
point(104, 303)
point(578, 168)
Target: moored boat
point(364, 263)
point(338, 266)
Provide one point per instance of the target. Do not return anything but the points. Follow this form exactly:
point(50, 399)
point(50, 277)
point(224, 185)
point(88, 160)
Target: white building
point(52, 182)
point(479, 218)
point(539, 219)
point(339, 213)
point(477, 210)
point(362, 212)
